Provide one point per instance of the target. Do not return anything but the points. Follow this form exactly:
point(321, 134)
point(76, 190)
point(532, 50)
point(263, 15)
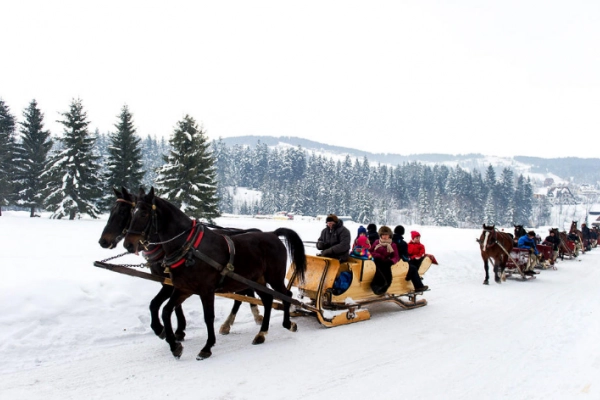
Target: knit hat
point(414, 234)
point(361, 229)
point(399, 230)
point(331, 218)
point(384, 230)
point(362, 241)
point(371, 227)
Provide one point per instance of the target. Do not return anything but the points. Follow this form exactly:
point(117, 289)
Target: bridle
point(152, 222)
point(124, 232)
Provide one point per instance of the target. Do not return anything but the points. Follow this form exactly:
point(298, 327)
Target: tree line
point(74, 173)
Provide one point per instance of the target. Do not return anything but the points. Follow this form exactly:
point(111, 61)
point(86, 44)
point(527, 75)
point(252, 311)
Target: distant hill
point(569, 169)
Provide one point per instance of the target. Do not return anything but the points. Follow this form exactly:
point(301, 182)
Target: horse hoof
point(177, 351)
point(163, 334)
point(486, 282)
point(224, 330)
point(291, 326)
point(260, 338)
point(180, 336)
point(258, 320)
point(203, 354)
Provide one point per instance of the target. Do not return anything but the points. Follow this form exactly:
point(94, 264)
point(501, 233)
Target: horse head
point(485, 237)
point(118, 220)
point(573, 227)
point(519, 231)
point(142, 219)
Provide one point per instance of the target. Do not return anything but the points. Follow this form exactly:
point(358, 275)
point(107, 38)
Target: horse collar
point(184, 255)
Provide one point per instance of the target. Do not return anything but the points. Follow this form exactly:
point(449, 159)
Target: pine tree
point(188, 179)
point(74, 183)
point(32, 158)
point(7, 155)
point(124, 163)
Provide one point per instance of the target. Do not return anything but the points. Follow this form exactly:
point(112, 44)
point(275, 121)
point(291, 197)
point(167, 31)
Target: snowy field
point(69, 330)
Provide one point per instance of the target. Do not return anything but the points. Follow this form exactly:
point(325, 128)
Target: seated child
point(361, 248)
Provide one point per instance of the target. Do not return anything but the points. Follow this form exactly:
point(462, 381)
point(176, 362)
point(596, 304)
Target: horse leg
point(497, 277)
point(267, 301)
point(258, 319)
point(226, 326)
point(181, 323)
point(157, 301)
point(287, 322)
point(486, 281)
point(177, 297)
point(208, 306)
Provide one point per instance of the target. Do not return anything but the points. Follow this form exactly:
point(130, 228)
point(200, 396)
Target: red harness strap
point(195, 244)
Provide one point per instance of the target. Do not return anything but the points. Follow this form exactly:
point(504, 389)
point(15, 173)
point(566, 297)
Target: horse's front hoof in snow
point(177, 351)
point(203, 354)
point(260, 338)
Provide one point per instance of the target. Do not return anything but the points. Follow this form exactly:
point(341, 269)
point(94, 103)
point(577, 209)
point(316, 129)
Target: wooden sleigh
point(339, 309)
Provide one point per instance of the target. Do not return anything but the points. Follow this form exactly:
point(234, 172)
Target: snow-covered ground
point(69, 330)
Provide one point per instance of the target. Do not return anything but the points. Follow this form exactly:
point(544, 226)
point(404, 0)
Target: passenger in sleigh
point(554, 241)
point(334, 241)
point(385, 254)
point(413, 266)
point(585, 233)
point(361, 248)
point(528, 242)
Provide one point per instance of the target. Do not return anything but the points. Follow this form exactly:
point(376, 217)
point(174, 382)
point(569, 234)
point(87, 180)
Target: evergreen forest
point(73, 172)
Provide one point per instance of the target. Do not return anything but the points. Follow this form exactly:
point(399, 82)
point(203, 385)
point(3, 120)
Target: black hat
point(331, 218)
point(372, 227)
point(399, 230)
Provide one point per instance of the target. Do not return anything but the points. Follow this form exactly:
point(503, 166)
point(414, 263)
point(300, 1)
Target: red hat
point(362, 241)
point(414, 234)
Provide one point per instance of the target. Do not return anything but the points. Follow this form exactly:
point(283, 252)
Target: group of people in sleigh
point(530, 241)
point(382, 246)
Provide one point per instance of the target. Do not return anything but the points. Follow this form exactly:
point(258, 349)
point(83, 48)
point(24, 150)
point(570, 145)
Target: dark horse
point(199, 260)
point(115, 230)
point(519, 231)
point(497, 246)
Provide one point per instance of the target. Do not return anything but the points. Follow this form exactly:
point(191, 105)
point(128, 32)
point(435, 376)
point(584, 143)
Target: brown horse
point(115, 230)
point(201, 261)
point(496, 246)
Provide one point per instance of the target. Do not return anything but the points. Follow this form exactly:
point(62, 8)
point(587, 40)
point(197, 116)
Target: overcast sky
point(494, 77)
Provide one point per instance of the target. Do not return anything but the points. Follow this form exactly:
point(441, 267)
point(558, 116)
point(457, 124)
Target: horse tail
point(296, 249)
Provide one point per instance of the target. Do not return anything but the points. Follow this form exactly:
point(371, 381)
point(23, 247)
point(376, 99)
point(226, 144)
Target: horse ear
point(142, 192)
point(118, 194)
point(151, 194)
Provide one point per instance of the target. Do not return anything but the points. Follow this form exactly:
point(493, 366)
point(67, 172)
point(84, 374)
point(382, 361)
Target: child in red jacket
point(416, 254)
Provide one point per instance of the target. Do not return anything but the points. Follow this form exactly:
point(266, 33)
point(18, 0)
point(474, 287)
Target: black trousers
point(383, 276)
point(413, 272)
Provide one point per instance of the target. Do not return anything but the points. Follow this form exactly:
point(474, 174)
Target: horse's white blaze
point(484, 245)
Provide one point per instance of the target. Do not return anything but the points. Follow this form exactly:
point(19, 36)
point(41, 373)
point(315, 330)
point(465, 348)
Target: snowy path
point(87, 336)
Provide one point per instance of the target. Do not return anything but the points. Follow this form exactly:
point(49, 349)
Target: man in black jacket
point(334, 241)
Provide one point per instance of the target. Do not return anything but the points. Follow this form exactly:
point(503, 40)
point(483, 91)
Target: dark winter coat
point(585, 232)
point(402, 246)
point(372, 235)
point(335, 242)
point(552, 240)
